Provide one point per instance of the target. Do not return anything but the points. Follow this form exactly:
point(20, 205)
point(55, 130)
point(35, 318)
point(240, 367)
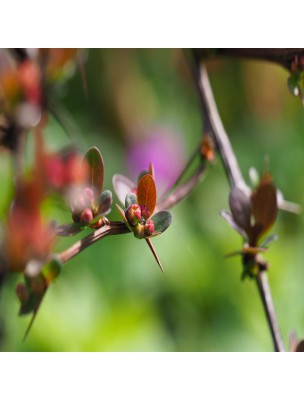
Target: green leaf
point(104, 202)
point(146, 192)
point(131, 198)
point(162, 220)
point(96, 171)
point(269, 240)
point(51, 270)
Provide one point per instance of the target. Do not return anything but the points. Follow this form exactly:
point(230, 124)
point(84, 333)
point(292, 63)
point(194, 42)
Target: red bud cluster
point(138, 218)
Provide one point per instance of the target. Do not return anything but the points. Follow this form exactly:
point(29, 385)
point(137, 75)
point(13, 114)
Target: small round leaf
point(162, 220)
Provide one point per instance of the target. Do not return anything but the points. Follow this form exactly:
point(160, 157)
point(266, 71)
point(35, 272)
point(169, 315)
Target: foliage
point(119, 301)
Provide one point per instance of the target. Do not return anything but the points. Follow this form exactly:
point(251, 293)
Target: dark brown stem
point(113, 228)
point(214, 123)
point(265, 293)
point(283, 57)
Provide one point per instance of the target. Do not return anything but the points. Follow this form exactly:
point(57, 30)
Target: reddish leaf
point(264, 206)
point(96, 171)
point(146, 192)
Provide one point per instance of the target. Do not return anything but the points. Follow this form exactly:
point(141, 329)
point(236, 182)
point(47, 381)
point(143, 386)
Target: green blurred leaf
point(51, 270)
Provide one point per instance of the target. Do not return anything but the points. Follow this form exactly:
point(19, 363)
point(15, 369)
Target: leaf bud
point(133, 214)
point(98, 224)
point(149, 227)
point(139, 231)
point(86, 216)
point(145, 212)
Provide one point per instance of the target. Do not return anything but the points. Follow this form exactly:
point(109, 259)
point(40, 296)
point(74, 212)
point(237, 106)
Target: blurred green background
point(112, 297)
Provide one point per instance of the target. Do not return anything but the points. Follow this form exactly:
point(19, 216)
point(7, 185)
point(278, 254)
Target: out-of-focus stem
point(265, 293)
point(214, 124)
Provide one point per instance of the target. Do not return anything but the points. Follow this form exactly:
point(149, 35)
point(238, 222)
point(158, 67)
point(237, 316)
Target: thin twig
point(280, 56)
point(265, 293)
point(114, 228)
point(213, 121)
point(181, 192)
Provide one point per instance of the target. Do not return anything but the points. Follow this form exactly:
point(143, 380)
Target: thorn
point(155, 255)
point(30, 324)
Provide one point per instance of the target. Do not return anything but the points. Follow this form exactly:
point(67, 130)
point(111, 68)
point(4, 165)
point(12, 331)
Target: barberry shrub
point(90, 204)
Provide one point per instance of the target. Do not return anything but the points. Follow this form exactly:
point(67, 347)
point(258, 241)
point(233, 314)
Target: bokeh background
point(141, 106)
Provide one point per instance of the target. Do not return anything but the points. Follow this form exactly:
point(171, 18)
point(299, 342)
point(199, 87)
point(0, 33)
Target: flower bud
point(145, 212)
point(149, 227)
point(86, 216)
point(139, 231)
point(133, 214)
point(98, 224)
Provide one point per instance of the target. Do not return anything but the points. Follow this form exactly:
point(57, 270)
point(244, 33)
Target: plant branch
point(182, 191)
point(265, 293)
point(113, 228)
point(213, 122)
point(283, 57)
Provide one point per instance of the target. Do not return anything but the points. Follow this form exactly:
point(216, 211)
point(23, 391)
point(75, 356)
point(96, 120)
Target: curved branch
point(113, 228)
point(181, 192)
point(283, 57)
point(213, 122)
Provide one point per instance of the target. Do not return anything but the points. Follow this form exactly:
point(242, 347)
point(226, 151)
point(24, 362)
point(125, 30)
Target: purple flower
point(165, 149)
